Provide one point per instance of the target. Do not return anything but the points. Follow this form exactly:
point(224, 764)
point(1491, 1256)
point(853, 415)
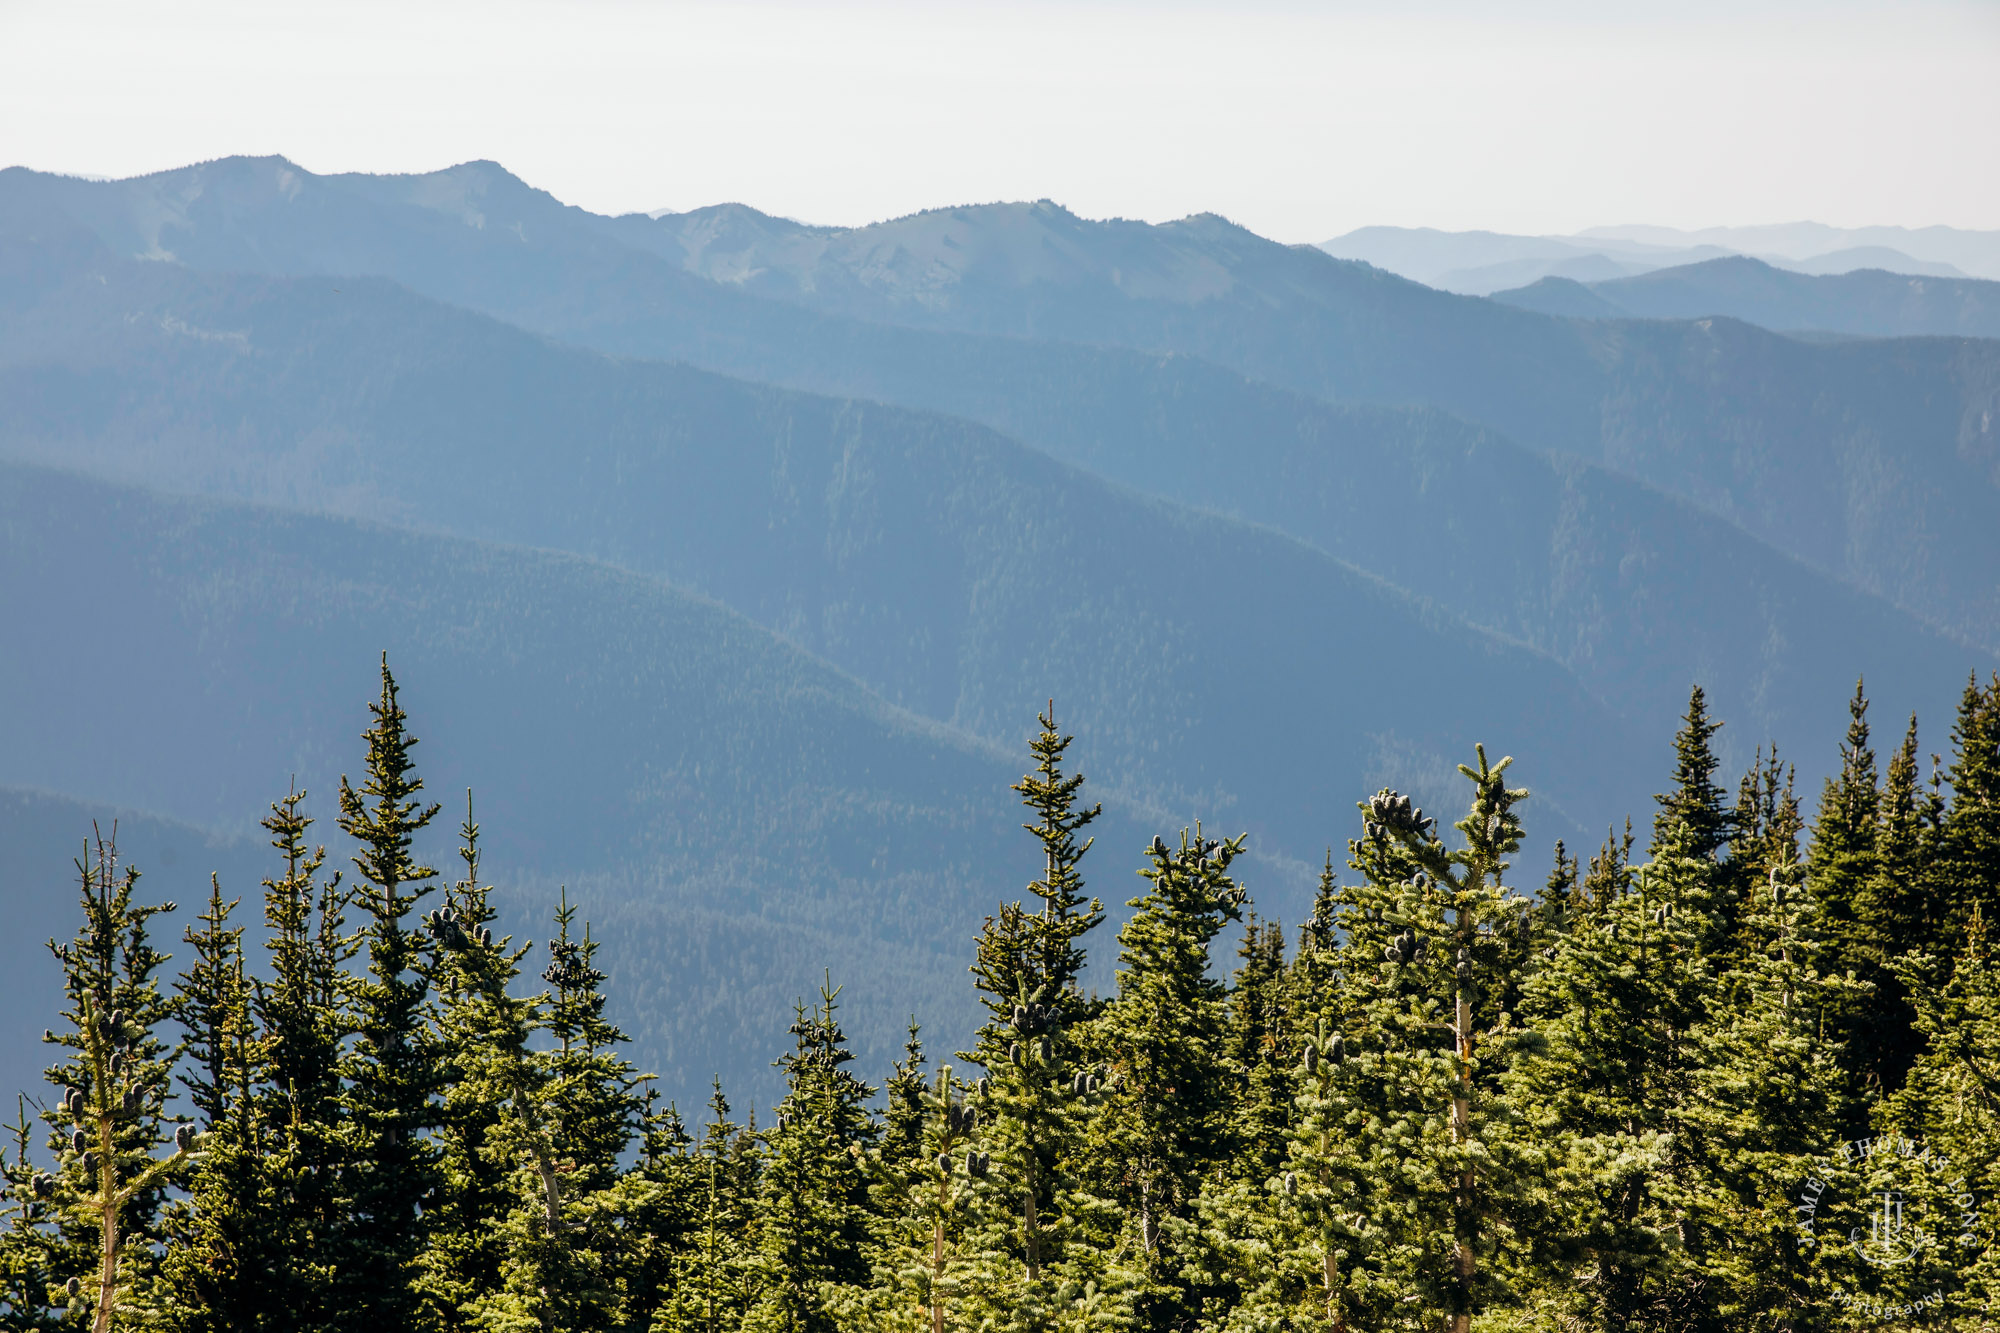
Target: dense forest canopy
point(1740, 1076)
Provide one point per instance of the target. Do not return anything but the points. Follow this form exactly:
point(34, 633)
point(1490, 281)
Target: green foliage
point(390, 1076)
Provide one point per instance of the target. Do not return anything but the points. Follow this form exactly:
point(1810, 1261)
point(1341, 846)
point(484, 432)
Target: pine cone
point(944, 1163)
point(74, 1287)
point(1159, 845)
point(78, 1141)
point(89, 1164)
point(44, 1185)
point(1291, 1183)
point(1312, 1060)
point(977, 1164)
point(1336, 1048)
point(184, 1137)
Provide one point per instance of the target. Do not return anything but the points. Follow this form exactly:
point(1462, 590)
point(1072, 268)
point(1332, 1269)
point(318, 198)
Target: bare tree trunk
point(107, 1280)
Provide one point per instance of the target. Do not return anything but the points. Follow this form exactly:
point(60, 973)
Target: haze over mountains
point(729, 558)
point(1478, 263)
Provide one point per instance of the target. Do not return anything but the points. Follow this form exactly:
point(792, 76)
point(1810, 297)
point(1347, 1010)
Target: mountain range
point(1866, 303)
point(1479, 263)
point(729, 559)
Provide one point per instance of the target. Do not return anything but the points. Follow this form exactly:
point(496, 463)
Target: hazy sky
point(1299, 120)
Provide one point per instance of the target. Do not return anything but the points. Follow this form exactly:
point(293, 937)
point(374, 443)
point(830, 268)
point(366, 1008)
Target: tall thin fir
point(110, 1123)
point(391, 1073)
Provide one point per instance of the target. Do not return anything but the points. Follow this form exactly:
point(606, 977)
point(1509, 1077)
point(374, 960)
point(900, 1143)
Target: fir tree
point(1967, 861)
point(721, 1277)
point(1946, 1109)
point(923, 1172)
point(1696, 801)
point(28, 1274)
point(1022, 953)
point(814, 1202)
point(220, 1262)
point(1261, 1044)
point(1439, 945)
point(1769, 1095)
point(481, 1039)
point(567, 1253)
point(109, 1126)
point(391, 1076)
point(1166, 1125)
point(301, 1018)
point(1611, 1084)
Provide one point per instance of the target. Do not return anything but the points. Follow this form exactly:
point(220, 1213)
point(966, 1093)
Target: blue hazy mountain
point(1209, 664)
point(734, 813)
point(1637, 593)
point(1860, 459)
point(371, 401)
point(1867, 303)
point(1479, 263)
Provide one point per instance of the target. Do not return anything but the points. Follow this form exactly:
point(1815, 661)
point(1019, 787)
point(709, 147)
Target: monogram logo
point(1904, 1210)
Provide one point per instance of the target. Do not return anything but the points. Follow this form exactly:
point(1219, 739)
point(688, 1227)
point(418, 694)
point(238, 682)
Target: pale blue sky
point(1300, 120)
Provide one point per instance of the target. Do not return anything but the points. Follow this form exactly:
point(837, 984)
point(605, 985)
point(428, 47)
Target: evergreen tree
point(301, 1023)
point(1440, 944)
point(722, 1277)
point(567, 1254)
point(1166, 1126)
point(391, 1076)
point(813, 1208)
point(922, 1264)
point(481, 1041)
point(1967, 861)
point(1022, 953)
point(220, 1261)
point(1770, 1094)
point(1843, 838)
point(1945, 1110)
point(1261, 1046)
point(666, 1185)
point(29, 1214)
point(1696, 801)
point(1611, 1084)
point(110, 1123)
point(1025, 1211)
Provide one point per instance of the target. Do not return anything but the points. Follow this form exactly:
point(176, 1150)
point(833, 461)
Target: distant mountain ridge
point(1479, 263)
point(1080, 402)
point(1867, 303)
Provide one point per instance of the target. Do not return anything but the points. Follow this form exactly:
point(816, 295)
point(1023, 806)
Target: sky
point(1299, 120)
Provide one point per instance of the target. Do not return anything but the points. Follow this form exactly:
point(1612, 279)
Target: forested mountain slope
point(1866, 303)
point(1870, 461)
point(1210, 667)
point(734, 814)
point(351, 395)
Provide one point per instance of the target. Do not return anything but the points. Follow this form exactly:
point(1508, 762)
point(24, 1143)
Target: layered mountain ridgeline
point(1869, 461)
point(1212, 668)
point(879, 537)
point(1867, 303)
point(673, 763)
